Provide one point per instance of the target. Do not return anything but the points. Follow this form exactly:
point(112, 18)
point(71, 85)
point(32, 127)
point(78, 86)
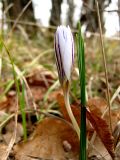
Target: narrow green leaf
point(22, 109)
point(21, 101)
point(81, 66)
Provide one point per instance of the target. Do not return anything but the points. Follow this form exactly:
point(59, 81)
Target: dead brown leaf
point(3, 148)
point(53, 139)
point(3, 102)
point(40, 77)
point(9, 129)
point(97, 105)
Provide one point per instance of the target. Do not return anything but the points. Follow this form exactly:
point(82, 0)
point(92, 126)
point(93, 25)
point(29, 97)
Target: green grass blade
point(81, 66)
point(8, 85)
point(13, 68)
point(22, 109)
point(16, 84)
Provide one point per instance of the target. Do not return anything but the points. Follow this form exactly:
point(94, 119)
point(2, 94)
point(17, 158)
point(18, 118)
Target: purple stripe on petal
point(62, 73)
point(63, 34)
point(59, 59)
point(56, 58)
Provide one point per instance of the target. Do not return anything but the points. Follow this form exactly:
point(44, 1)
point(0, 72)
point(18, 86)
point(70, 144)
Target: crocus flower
point(64, 52)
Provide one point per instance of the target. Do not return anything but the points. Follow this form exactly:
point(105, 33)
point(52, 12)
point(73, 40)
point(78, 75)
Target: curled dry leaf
point(103, 131)
point(75, 109)
point(53, 139)
point(98, 106)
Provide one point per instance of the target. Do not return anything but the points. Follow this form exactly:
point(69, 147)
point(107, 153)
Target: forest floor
point(50, 135)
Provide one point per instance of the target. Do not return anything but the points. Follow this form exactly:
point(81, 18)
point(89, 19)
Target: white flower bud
point(64, 52)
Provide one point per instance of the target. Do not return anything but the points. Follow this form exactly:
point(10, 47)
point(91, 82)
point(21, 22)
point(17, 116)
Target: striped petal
point(64, 52)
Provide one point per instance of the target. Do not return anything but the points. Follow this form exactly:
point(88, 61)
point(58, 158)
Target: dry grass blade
point(28, 89)
point(115, 95)
point(0, 66)
point(12, 141)
point(39, 158)
point(7, 8)
point(19, 16)
point(117, 151)
point(6, 120)
point(103, 132)
point(42, 54)
point(116, 133)
point(104, 62)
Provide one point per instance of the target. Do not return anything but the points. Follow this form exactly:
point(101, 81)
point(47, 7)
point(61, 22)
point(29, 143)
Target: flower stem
point(70, 113)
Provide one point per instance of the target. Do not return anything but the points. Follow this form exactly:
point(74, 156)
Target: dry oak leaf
point(53, 139)
point(98, 106)
point(103, 132)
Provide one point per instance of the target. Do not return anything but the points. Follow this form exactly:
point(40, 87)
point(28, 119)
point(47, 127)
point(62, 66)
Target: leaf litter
point(50, 140)
point(54, 138)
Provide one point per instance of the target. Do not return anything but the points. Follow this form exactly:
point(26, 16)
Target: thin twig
point(100, 10)
point(19, 16)
point(30, 23)
point(8, 8)
point(105, 64)
point(47, 114)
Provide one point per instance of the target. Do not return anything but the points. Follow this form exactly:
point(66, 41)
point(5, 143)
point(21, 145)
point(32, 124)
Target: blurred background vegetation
point(31, 44)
